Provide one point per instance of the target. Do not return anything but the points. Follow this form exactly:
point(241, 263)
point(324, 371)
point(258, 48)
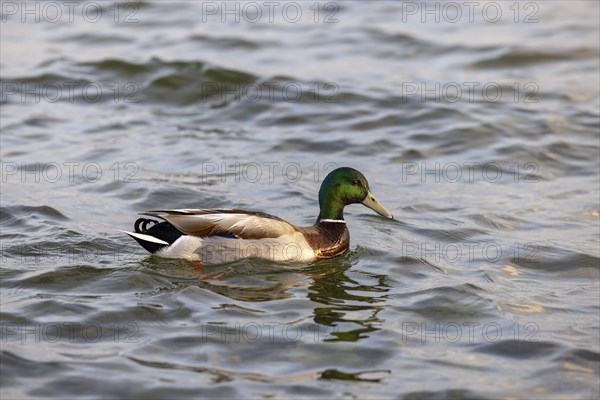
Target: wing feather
point(213, 222)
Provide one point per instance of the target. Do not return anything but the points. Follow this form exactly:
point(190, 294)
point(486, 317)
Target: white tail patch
point(146, 238)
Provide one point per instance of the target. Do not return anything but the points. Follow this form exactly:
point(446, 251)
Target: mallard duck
point(214, 236)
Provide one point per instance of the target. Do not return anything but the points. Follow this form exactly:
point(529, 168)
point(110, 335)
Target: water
point(486, 285)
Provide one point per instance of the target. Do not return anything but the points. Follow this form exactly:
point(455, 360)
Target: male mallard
point(220, 235)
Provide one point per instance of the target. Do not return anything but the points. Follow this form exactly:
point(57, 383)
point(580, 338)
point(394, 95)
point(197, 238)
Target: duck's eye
point(355, 182)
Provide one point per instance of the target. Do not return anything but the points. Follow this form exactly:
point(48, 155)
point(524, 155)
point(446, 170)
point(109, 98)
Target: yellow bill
point(371, 202)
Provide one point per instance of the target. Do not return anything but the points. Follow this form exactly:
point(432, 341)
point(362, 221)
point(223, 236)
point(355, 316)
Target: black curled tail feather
point(160, 230)
point(143, 222)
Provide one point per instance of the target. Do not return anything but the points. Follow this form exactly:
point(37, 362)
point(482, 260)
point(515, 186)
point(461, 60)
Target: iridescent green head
point(345, 186)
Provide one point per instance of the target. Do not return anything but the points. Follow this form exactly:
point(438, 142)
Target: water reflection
point(345, 303)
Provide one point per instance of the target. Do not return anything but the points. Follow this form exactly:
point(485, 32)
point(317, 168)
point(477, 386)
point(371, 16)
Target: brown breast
point(327, 239)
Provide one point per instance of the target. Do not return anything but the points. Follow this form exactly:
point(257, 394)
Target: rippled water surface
point(481, 137)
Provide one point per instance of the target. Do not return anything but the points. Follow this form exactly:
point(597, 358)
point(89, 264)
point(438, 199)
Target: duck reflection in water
point(346, 308)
